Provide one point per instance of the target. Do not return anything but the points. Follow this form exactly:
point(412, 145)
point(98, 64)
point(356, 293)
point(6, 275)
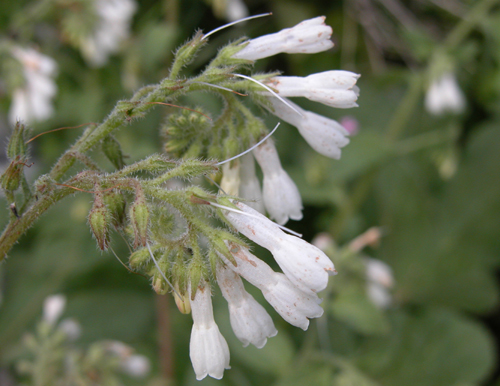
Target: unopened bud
point(17, 142)
point(139, 218)
point(113, 151)
point(185, 54)
point(115, 202)
point(159, 284)
point(182, 303)
point(99, 217)
point(12, 176)
point(140, 259)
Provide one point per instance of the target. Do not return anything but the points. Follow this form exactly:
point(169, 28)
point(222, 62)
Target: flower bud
point(140, 259)
point(99, 219)
point(182, 301)
point(186, 53)
point(17, 142)
point(139, 218)
point(12, 176)
point(113, 151)
point(115, 202)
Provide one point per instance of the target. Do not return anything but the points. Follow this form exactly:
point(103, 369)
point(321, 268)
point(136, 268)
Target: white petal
point(250, 321)
point(208, 349)
point(292, 304)
point(324, 135)
point(281, 196)
point(309, 36)
point(249, 184)
point(444, 95)
point(333, 88)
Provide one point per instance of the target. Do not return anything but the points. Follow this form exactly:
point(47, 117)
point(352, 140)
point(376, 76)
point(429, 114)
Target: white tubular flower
point(281, 196)
point(292, 304)
point(444, 95)
point(208, 349)
point(379, 282)
point(33, 101)
point(113, 25)
point(249, 184)
point(250, 321)
point(53, 307)
point(307, 37)
point(307, 267)
point(230, 182)
point(332, 88)
point(324, 135)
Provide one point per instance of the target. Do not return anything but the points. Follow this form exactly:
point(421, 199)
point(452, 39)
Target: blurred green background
point(431, 182)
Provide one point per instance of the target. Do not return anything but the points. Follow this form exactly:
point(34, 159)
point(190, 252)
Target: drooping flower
point(250, 321)
point(113, 27)
point(444, 95)
point(281, 196)
point(249, 184)
point(53, 307)
point(33, 101)
point(309, 36)
point(208, 349)
point(324, 135)
point(379, 282)
point(332, 88)
point(293, 305)
point(307, 267)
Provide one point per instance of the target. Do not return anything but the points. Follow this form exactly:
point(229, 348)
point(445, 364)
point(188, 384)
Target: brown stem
point(165, 336)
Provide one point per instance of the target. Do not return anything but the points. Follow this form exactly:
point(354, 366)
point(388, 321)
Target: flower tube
point(293, 305)
point(250, 321)
point(332, 88)
point(306, 266)
point(324, 135)
point(281, 196)
point(208, 349)
point(307, 37)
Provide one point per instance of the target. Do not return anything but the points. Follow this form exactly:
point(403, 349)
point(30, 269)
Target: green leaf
point(352, 306)
point(432, 348)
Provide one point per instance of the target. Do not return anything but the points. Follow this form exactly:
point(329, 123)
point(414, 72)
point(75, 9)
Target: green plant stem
point(406, 108)
point(15, 229)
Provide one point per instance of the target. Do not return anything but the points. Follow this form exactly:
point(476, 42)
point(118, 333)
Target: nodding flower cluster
point(306, 269)
point(280, 196)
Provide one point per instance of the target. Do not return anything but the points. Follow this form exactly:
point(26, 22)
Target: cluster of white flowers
point(293, 293)
point(306, 269)
point(112, 28)
point(33, 100)
point(280, 195)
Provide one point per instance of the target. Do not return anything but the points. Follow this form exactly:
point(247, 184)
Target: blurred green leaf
point(352, 306)
point(432, 347)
